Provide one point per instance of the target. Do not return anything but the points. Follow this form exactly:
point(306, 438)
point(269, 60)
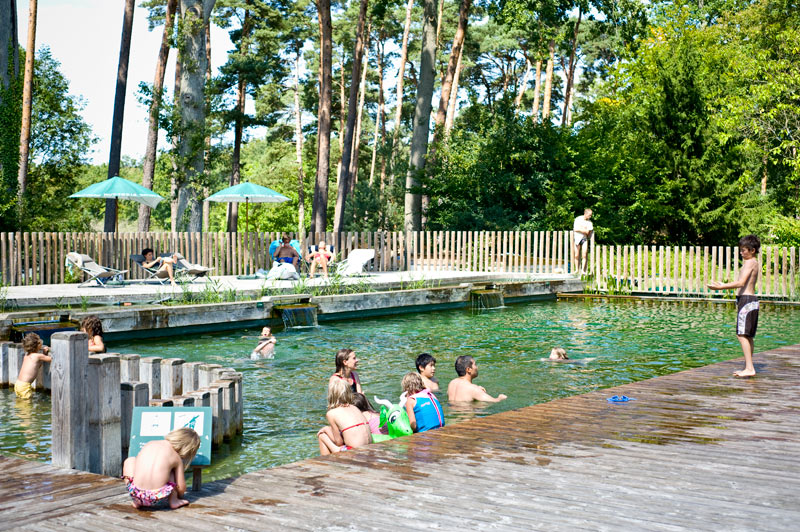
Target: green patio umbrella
point(247, 192)
point(118, 188)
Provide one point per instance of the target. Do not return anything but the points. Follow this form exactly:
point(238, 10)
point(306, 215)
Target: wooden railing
point(686, 270)
point(39, 258)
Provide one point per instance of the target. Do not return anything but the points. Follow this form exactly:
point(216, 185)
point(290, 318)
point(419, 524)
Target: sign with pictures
point(153, 423)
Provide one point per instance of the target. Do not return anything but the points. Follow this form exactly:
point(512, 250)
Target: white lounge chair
point(355, 262)
point(94, 271)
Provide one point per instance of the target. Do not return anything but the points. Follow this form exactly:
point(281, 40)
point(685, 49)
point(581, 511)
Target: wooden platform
point(697, 450)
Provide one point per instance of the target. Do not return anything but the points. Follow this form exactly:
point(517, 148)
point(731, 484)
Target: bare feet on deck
point(743, 373)
point(178, 503)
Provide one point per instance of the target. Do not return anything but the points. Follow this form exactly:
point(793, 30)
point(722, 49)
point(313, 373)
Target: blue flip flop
point(620, 399)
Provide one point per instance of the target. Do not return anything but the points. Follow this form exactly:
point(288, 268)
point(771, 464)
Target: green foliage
point(10, 123)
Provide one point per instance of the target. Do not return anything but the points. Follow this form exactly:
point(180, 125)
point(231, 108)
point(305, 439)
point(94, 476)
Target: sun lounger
point(94, 271)
point(183, 266)
point(152, 273)
point(355, 262)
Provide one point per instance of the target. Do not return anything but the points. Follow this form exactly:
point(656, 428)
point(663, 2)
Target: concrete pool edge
point(131, 322)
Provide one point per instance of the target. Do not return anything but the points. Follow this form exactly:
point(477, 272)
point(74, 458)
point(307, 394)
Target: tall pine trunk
point(149, 164)
point(361, 95)
point(458, 42)
point(194, 15)
point(298, 149)
point(537, 89)
point(173, 178)
point(27, 101)
point(119, 112)
point(238, 127)
point(380, 122)
point(206, 216)
point(319, 211)
point(422, 117)
point(342, 113)
point(451, 105)
point(398, 112)
point(350, 127)
point(548, 81)
point(523, 85)
point(566, 115)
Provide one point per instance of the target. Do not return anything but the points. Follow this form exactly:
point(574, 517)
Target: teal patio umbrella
point(118, 188)
point(247, 193)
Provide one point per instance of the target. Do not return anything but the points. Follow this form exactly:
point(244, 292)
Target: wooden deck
point(697, 450)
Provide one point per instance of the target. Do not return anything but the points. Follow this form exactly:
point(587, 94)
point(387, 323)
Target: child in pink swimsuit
point(155, 477)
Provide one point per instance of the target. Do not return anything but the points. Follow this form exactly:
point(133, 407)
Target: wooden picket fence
point(39, 258)
point(686, 270)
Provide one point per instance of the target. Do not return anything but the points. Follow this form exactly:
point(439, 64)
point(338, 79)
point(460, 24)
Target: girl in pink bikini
point(348, 428)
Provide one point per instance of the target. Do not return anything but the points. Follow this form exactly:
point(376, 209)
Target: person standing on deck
point(582, 230)
point(746, 300)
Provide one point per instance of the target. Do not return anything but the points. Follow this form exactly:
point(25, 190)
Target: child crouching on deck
point(155, 476)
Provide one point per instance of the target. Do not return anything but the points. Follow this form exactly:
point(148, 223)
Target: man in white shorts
point(582, 229)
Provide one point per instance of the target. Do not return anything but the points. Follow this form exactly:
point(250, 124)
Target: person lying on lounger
point(163, 263)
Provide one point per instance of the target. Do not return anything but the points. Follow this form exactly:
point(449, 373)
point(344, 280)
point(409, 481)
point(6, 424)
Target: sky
point(84, 36)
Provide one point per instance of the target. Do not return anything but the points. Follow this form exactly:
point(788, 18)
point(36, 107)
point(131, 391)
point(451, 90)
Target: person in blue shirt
point(423, 409)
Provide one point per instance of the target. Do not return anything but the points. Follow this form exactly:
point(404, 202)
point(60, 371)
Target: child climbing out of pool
point(155, 476)
point(266, 345)
point(346, 363)
point(373, 418)
point(746, 300)
point(426, 366)
point(348, 428)
point(92, 326)
point(423, 409)
point(35, 356)
point(462, 389)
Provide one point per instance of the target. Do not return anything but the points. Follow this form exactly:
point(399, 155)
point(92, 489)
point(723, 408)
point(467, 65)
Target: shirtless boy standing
point(461, 389)
point(746, 300)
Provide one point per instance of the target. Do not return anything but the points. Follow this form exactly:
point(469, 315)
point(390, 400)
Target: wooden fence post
point(171, 377)
point(132, 394)
point(5, 378)
point(15, 355)
point(43, 378)
point(150, 373)
point(183, 400)
point(70, 352)
point(129, 368)
point(104, 437)
point(217, 401)
point(190, 376)
point(201, 397)
point(206, 375)
point(237, 378)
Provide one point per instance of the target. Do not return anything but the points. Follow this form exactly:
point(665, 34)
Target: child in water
point(423, 408)
point(35, 356)
point(373, 418)
point(558, 353)
point(92, 326)
point(348, 428)
point(158, 470)
point(266, 345)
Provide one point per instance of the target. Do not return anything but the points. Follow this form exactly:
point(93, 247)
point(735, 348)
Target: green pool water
point(610, 343)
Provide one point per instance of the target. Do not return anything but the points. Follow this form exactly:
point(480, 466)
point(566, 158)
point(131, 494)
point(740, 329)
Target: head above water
point(463, 363)
point(339, 394)
point(412, 383)
point(361, 402)
point(186, 442)
point(341, 357)
point(423, 360)
point(92, 326)
point(750, 242)
point(32, 343)
point(558, 353)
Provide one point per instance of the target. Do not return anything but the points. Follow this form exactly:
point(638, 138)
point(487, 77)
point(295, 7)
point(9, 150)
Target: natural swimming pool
point(285, 397)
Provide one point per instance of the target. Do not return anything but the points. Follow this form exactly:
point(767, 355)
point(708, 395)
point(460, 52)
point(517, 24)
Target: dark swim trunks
point(747, 315)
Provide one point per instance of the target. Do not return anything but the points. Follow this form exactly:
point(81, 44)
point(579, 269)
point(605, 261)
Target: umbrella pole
point(116, 215)
point(246, 230)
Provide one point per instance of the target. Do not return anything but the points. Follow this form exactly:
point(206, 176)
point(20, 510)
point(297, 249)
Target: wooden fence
point(39, 258)
point(686, 270)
